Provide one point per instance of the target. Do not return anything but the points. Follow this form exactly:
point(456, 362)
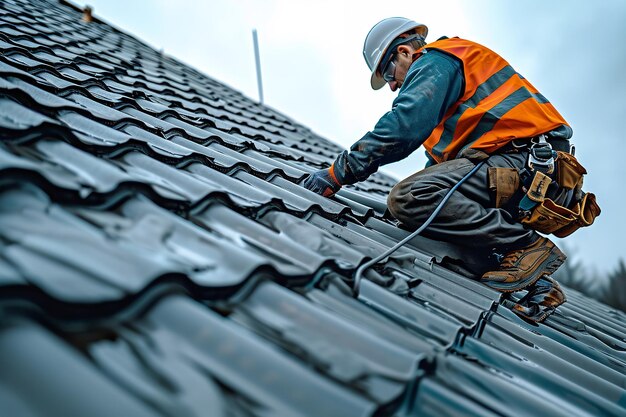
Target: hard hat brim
point(377, 82)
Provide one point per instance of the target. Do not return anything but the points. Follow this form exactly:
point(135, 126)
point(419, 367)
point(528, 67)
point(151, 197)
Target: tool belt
point(545, 168)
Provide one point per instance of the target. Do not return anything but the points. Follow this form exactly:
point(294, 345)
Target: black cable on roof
point(359, 272)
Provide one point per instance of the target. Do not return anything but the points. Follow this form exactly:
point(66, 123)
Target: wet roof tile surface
point(158, 258)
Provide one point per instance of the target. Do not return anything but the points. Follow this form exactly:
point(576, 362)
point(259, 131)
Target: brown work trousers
point(469, 219)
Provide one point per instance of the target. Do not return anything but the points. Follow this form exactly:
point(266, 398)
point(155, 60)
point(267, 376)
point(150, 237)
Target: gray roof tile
point(159, 257)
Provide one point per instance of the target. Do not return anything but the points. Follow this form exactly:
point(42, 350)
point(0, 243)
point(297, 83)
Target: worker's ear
point(405, 50)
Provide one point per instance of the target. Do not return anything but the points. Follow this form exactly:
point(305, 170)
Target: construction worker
point(464, 103)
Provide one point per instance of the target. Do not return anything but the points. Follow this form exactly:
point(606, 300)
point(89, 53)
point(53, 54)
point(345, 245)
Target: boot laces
point(511, 258)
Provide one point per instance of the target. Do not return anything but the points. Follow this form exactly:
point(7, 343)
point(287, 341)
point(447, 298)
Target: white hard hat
point(380, 37)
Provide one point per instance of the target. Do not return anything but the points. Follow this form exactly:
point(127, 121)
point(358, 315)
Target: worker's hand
point(322, 182)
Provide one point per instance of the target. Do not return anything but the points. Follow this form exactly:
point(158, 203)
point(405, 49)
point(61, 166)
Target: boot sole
point(554, 260)
point(539, 318)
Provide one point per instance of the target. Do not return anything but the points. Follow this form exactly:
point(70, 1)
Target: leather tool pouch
point(547, 216)
point(587, 210)
point(569, 172)
point(503, 182)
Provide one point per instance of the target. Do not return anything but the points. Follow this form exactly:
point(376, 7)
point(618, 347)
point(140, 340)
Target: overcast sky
point(313, 70)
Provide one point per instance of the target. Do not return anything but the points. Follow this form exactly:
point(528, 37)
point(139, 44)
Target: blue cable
point(359, 272)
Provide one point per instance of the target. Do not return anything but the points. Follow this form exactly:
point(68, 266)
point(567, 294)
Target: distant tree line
point(610, 289)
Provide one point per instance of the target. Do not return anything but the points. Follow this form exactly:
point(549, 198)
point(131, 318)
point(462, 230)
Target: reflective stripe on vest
point(497, 105)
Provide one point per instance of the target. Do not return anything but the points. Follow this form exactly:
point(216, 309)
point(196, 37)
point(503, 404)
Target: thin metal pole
point(257, 58)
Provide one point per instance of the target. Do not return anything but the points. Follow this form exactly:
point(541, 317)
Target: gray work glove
point(322, 182)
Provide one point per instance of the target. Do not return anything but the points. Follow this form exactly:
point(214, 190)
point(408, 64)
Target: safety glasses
point(389, 73)
point(389, 68)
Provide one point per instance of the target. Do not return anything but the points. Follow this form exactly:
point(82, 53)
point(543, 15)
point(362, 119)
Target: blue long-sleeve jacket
point(433, 83)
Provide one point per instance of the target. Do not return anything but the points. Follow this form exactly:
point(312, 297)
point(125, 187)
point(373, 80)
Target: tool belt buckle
point(541, 156)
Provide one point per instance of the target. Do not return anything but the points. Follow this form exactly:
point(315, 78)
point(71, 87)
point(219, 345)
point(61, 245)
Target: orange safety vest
point(497, 104)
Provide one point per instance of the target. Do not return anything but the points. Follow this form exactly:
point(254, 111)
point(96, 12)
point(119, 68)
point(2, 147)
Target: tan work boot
point(522, 267)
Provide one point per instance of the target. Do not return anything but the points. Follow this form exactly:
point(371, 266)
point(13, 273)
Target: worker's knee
point(399, 201)
point(410, 200)
point(393, 200)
